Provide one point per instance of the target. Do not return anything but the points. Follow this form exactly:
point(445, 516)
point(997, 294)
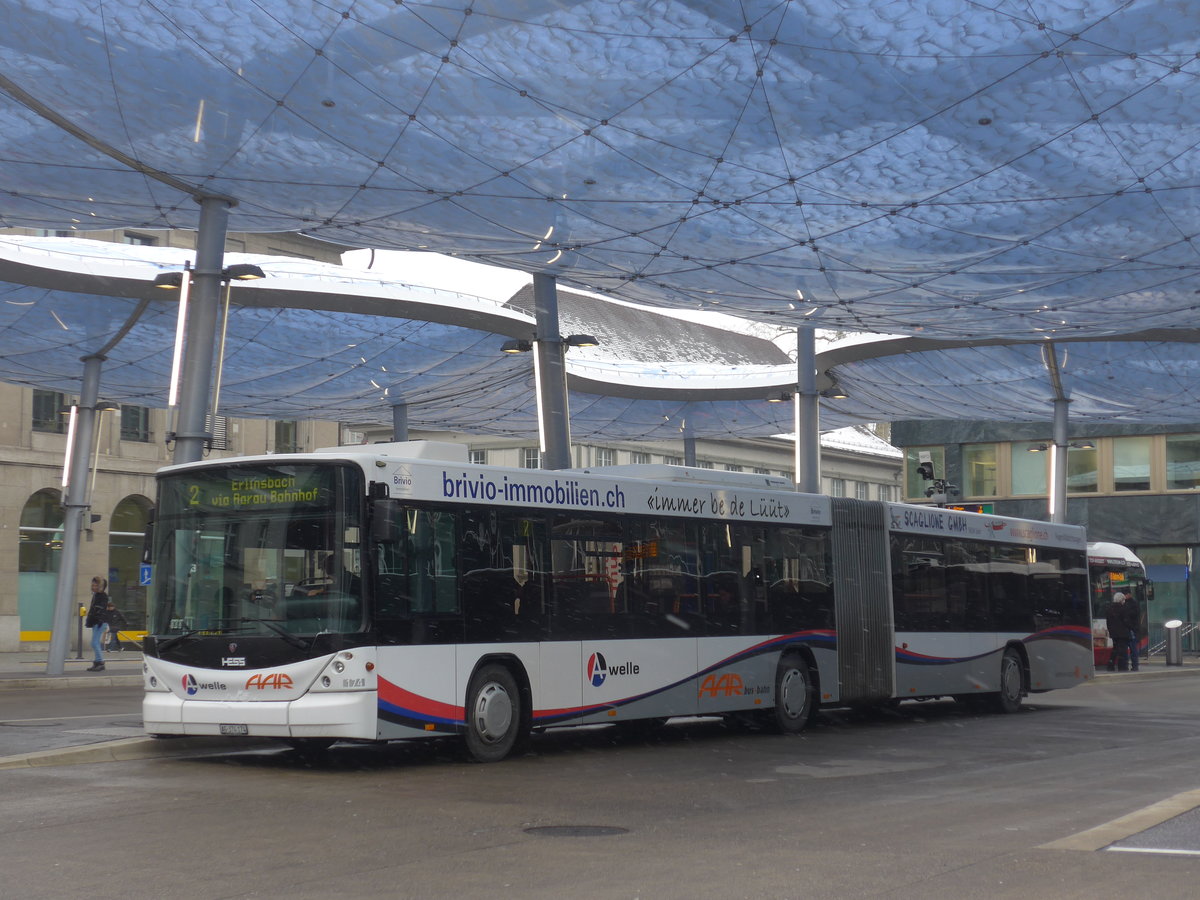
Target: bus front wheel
point(493, 713)
point(794, 694)
point(1012, 683)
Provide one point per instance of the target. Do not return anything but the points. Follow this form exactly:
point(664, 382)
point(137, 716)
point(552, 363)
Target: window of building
point(979, 470)
point(41, 535)
point(49, 409)
point(861, 490)
point(914, 484)
point(477, 457)
point(126, 538)
point(135, 423)
point(885, 492)
point(1183, 462)
point(731, 467)
point(606, 456)
point(1083, 471)
point(704, 464)
point(837, 487)
point(759, 470)
point(531, 458)
point(638, 458)
point(673, 460)
point(1131, 463)
point(1028, 469)
point(286, 440)
point(142, 240)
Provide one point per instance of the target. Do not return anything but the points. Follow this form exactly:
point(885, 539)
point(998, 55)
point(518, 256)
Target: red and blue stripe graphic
point(403, 707)
point(406, 708)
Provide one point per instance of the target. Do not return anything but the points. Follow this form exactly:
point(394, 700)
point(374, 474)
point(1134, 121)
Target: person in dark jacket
point(1118, 633)
point(97, 620)
point(116, 621)
point(1133, 624)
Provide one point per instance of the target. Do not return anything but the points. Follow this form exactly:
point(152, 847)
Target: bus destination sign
point(250, 489)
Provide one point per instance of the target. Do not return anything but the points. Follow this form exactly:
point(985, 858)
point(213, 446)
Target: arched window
point(41, 532)
point(126, 535)
point(38, 557)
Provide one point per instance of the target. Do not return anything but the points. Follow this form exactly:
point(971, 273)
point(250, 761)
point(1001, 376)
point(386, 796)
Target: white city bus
point(395, 591)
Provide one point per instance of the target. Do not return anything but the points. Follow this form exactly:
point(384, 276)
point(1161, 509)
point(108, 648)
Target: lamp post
point(196, 333)
point(75, 496)
point(81, 432)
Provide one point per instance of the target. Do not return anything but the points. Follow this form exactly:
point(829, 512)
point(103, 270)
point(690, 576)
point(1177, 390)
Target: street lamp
point(524, 346)
point(178, 281)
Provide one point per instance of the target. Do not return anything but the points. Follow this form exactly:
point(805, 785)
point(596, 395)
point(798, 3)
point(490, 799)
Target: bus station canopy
point(978, 179)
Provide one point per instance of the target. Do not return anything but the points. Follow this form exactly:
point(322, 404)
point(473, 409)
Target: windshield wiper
point(172, 641)
point(297, 642)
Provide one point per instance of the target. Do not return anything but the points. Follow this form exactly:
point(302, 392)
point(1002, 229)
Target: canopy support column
point(807, 413)
point(689, 444)
point(550, 376)
point(1058, 463)
point(191, 437)
point(400, 421)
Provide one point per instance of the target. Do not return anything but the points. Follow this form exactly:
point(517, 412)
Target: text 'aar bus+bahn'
point(395, 591)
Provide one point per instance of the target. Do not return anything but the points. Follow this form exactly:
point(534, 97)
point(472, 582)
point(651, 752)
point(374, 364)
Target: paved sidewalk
point(27, 671)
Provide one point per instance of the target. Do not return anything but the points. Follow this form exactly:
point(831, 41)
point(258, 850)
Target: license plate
point(235, 729)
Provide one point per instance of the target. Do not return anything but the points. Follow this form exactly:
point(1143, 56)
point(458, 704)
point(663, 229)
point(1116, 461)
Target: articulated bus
point(396, 591)
point(1115, 568)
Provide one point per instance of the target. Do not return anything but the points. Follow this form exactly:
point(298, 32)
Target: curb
point(127, 749)
point(1147, 672)
point(49, 682)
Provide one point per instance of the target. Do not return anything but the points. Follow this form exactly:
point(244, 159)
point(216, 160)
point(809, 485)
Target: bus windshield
point(258, 549)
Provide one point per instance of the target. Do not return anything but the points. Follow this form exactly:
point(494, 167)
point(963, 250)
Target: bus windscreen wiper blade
point(172, 641)
point(299, 643)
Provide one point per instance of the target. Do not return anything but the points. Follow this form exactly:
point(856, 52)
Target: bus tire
point(795, 694)
point(494, 716)
point(1012, 683)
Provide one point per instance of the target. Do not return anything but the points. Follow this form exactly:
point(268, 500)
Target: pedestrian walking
point(1118, 633)
point(97, 620)
point(1133, 622)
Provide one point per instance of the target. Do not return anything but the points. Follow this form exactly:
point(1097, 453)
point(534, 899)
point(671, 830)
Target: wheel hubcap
point(795, 697)
point(493, 712)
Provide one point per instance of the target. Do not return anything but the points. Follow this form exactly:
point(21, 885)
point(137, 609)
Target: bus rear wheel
point(494, 718)
point(795, 694)
point(1012, 683)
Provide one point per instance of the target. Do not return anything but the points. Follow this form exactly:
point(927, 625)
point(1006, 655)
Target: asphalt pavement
point(1085, 794)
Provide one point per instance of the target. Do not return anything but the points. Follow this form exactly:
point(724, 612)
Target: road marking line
point(1110, 832)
